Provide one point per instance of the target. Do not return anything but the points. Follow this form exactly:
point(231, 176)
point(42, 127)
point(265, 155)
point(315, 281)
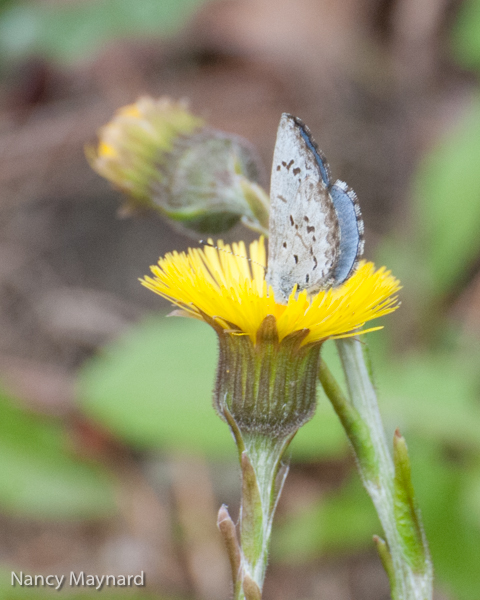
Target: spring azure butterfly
point(316, 229)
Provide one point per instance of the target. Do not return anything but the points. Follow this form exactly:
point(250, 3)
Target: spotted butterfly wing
point(316, 231)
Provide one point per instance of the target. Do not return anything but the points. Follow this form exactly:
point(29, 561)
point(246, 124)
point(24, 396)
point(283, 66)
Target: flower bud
point(165, 158)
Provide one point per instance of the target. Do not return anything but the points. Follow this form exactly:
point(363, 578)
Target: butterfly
point(316, 228)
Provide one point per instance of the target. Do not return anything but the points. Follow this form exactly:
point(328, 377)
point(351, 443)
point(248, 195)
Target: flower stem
point(387, 481)
point(262, 483)
point(263, 475)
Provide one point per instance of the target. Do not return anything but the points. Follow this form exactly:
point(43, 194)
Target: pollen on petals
point(228, 285)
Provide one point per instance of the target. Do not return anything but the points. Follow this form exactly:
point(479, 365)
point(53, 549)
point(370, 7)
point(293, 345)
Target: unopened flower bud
point(165, 158)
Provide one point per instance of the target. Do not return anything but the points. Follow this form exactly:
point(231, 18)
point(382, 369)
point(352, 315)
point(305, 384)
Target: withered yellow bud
point(165, 158)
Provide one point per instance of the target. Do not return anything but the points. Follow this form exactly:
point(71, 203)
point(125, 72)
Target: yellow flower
point(222, 284)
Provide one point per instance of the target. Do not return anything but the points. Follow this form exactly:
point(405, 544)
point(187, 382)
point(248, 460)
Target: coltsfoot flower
point(269, 352)
point(227, 285)
point(167, 159)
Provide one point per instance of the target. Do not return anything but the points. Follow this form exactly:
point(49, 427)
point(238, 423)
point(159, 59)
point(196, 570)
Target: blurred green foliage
point(344, 521)
point(74, 30)
point(447, 190)
point(465, 35)
point(41, 477)
point(443, 248)
point(436, 389)
point(440, 253)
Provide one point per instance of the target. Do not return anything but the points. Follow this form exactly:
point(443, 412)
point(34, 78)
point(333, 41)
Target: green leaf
point(40, 477)
point(407, 516)
point(387, 562)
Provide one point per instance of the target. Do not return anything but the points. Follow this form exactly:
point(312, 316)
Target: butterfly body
point(316, 230)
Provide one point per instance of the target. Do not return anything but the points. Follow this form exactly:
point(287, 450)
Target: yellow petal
point(229, 286)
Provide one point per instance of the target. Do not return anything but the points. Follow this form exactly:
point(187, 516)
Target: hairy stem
point(263, 475)
point(406, 554)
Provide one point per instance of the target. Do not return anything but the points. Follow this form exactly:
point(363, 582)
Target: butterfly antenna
point(204, 243)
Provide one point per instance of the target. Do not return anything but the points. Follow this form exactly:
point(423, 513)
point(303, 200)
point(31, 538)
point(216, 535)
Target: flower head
point(221, 284)
point(165, 158)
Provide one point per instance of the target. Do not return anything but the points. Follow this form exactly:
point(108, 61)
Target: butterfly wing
point(304, 233)
point(325, 250)
point(346, 204)
point(351, 231)
point(303, 251)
